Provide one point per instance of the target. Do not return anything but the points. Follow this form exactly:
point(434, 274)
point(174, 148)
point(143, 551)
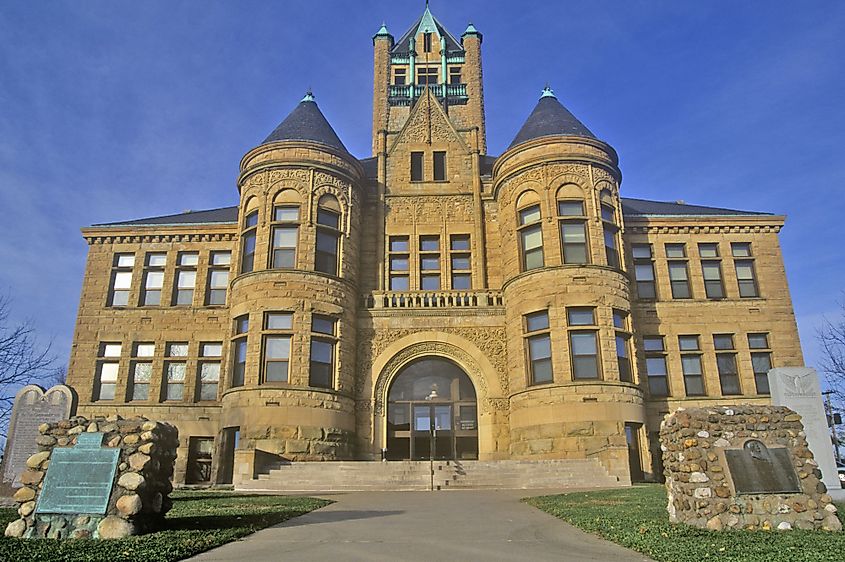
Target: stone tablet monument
point(32, 407)
point(798, 389)
point(102, 478)
point(743, 467)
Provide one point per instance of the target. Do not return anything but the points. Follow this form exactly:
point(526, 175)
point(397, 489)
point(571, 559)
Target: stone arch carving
point(561, 180)
point(286, 194)
point(342, 201)
point(448, 346)
point(570, 190)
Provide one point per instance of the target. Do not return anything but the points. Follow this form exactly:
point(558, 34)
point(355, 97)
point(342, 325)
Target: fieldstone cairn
point(743, 467)
point(138, 500)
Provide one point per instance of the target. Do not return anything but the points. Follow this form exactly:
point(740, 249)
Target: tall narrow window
point(175, 369)
point(416, 166)
point(399, 258)
point(218, 278)
point(623, 337)
point(208, 376)
point(678, 272)
point(121, 279)
point(460, 262)
point(644, 271)
point(655, 366)
point(248, 242)
point(239, 346)
point(611, 248)
point(711, 269)
point(745, 276)
point(430, 263)
point(328, 236)
point(278, 328)
point(583, 344)
point(427, 42)
point(531, 237)
point(454, 75)
point(538, 344)
point(105, 381)
point(153, 278)
point(726, 364)
point(399, 76)
point(285, 231)
point(761, 361)
point(323, 343)
point(439, 166)
point(691, 365)
point(186, 278)
point(573, 231)
point(142, 371)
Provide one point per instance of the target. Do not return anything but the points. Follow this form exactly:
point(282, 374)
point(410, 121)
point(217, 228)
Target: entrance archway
point(432, 408)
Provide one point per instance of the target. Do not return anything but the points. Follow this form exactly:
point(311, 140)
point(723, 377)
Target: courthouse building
point(345, 307)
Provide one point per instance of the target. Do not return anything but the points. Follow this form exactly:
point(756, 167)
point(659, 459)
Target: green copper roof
point(426, 24)
point(548, 93)
point(382, 31)
point(470, 30)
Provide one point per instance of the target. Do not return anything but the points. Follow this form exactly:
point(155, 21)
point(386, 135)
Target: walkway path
point(455, 525)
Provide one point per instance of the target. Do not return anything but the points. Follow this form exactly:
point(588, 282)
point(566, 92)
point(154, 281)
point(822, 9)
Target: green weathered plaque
point(79, 479)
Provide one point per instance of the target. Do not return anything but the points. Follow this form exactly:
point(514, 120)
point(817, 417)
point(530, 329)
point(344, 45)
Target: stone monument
point(102, 478)
point(31, 408)
point(743, 467)
point(798, 389)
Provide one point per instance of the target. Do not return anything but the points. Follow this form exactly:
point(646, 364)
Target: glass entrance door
point(432, 431)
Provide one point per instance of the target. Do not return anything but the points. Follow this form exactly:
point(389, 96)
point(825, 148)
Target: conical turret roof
point(306, 122)
point(427, 23)
point(550, 118)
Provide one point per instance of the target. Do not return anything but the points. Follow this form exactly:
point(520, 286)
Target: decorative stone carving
point(428, 123)
point(428, 210)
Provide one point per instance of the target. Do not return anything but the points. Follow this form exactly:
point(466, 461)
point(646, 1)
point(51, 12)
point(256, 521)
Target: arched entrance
point(431, 406)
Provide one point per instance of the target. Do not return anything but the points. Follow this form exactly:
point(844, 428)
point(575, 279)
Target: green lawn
point(636, 518)
point(199, 521)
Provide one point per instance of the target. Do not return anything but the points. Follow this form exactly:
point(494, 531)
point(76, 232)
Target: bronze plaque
point(756, 469)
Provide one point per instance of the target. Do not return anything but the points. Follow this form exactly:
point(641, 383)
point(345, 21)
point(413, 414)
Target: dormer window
point(427, 42)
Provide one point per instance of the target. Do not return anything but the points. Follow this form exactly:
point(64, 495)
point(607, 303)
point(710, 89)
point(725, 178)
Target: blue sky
point(112, 110)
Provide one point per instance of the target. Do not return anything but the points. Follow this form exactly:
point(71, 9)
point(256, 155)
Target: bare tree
point(22, 360)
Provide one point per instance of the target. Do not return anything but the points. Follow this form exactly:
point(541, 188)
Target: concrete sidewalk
point(453, 525)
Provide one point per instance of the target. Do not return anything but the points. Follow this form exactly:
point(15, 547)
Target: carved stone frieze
point(429, 210)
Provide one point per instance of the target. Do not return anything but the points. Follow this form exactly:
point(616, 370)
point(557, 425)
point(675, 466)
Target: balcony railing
point(455, 57)
point(433, 299)
point(401, 94)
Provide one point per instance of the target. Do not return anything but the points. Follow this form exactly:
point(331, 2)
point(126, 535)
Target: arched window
point(530, 231)
point(611, 230)
point(328, 235)
point(572, 221)
point(285, 229)
point(248, 230)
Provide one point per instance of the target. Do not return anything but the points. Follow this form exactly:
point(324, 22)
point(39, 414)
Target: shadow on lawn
point(253, 520)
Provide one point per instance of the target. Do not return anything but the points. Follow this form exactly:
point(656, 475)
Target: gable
point(428, 123)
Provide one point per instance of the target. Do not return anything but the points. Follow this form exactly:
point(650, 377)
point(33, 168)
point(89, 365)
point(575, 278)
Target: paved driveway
point(450, 526)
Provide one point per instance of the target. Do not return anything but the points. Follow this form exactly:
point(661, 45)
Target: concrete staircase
point(417, 475)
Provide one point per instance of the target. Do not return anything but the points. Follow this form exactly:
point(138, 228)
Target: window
point(239, 350)
point(655, 366)
point(285, 232)
point(430, 263)
point(277, 344)
point(399, 258)
point(323, 342)
point(573, 231)
point(105, 381)
point(427, 75)
point(186, 278)
point(248, 242)
point(209, 371)
point(399, 76)
point(153, 278)
point(460, 262)
point(427, 42)
point(121, 279)
point(416, 166)
point(142, 371)
point(439, 166)
point(328, 239)
point(175, 371)
point(611, 248)
point(531, 238)
point(712, 271)
point(644, 271)
point(726, 364)
point(539, 347)
point(454, 75)
point(678, 273)
point(218, 278)
point(745, 275)
point(583, 344)
point(691, 365)
point(623, 337)
point(761, 361)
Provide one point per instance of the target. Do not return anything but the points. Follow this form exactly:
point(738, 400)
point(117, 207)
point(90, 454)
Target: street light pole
point(832, 424)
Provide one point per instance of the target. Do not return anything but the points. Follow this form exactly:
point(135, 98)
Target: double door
point(439, 430)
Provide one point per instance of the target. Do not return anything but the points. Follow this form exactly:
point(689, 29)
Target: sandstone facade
point(345, 273)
